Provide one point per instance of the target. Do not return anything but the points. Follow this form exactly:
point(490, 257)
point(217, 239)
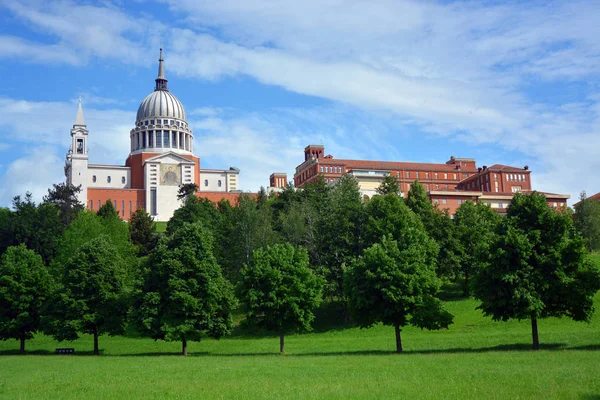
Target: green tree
point(418, 201)
point(389, 185)
point(186, 190)
point(184, 294)
point(396, 285)
point(25, 286)
point(279, 291)
point(64, 196)
point(195, 209)
point(142, 231)
point(36, 226)
point(539, 267)
point(108, 210)
point(340, 231)
point(476, 225)
point(93, 295)
point(587, 221)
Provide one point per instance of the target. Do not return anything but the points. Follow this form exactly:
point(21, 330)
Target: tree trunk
point(22, 339)
point(398, 338)
point(96, 351)
point(466, 288)
point(534, 333)
point(184, 346)
point(281, 342)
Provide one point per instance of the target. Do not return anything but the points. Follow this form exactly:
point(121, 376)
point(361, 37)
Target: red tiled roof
point(507, 168)
point(394, 165)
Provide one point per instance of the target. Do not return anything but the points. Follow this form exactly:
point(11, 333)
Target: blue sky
point(514, 83)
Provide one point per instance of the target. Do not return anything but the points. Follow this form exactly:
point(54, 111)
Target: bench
point(65, 351)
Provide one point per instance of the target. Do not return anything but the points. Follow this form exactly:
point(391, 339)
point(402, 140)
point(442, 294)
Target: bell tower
point(76, 165)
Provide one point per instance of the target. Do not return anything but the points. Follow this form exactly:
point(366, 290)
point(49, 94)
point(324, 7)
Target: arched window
point(219, 183)
point(108, 179)
point(123, 179)
point(206, 182)
point(94, 178)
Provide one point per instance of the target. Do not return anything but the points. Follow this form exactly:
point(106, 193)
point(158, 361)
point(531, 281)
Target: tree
point(36, 226)
point(279, 290)
point(25, 286)
point(108, 210)
point(64, 196)
point(184, 294)
point(340, 231)
point(418, 201)
point(539, 267)
point(587, 221)
point(141, 230)
point(195, 209)
point(396, 285)
point(93, 294)
point(389, 185)
point(186, 190)
point(475, 229)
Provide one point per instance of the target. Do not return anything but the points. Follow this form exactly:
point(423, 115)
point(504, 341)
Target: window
point(436, 202)
point(495, 177)
point(151, 139)
point(407, 174)
point(108, 179)
point(206, 182)
point(516, 189)
point(172, 122)
point(79, 146)
point(166, 139)
point(94, 178)
point(427, 175)
point(454, 176)
point(219, 183)
point(407, 187)
point(166, 122)
point(153, 208)
point(437, 187)
point(99, 205)
point(123, 179)
point(146, 122)
point(417, 175)
point(436, 175)
point(151, 122)
point(115, 204)
point(444, 201)
point(500, 205)
point(555, 204)
point(122, 208)
point(445, 176)
point(459, 201)
point(321, 169)
point(130, 205)
point(91, 204)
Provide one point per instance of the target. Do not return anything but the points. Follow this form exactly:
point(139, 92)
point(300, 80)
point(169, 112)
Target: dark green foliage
point(25, 287)
point(476, 225)
point(93, 293)
point(539, 268)
point(186, 190)
point(142, 231)
point(340, 231)
point(184, 294)
point(587, 221)
point(397, 285)
point(420, 204)
point(108, 210)
point(279, 291)
point(389, 185)
point(36, 226)
point(195, 209)
point(64, 196)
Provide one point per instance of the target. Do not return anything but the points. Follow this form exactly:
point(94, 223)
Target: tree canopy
point(539, 268)
point(389, 185)
point(279, 291)
point(64, 196)
point(587, 221)
point(25, 288)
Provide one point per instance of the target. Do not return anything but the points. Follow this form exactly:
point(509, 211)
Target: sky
point(511, 82)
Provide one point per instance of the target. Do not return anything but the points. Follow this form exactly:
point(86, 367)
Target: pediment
point(170, 158)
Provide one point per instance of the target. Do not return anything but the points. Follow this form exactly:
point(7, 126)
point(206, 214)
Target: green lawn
point(161, 226)
point(475, 358)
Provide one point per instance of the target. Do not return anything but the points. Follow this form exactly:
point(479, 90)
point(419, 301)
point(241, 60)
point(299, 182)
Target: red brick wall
point(137, 198)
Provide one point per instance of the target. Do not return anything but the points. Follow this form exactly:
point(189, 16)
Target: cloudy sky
point(514, 83)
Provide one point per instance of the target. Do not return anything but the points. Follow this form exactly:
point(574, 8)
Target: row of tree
point(65, 271)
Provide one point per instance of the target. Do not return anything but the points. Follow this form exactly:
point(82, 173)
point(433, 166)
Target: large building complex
point(161, 158)
point(448, 185)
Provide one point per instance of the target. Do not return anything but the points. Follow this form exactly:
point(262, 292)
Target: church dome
point(161, 103)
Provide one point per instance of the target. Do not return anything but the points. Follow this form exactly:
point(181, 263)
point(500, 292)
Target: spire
point(79, 121)
point(161, 81)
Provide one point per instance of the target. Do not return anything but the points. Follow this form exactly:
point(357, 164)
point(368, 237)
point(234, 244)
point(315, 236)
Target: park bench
point(65, 351)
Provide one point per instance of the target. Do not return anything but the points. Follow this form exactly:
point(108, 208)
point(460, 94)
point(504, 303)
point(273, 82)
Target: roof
point(394, 165)
point(506, 168)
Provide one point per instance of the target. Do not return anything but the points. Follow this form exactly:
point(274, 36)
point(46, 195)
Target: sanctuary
point(161, 159)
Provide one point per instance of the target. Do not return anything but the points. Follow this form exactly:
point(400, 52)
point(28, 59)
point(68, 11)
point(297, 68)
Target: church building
point(161, 159)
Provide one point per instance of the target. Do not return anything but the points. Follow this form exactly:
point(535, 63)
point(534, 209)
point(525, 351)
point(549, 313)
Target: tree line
point(66, 271)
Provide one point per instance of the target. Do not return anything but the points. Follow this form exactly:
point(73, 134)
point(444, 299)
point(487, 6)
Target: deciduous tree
point(587, 221)
point(64, 196)
point(184, 294)
point(25, 286)
point(396, 285)
point(539, 267)
point(92, 298)
point(279, 291)
point(142, 231)
point(389, 185)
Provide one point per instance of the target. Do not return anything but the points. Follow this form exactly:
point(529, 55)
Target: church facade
point(161, 159)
